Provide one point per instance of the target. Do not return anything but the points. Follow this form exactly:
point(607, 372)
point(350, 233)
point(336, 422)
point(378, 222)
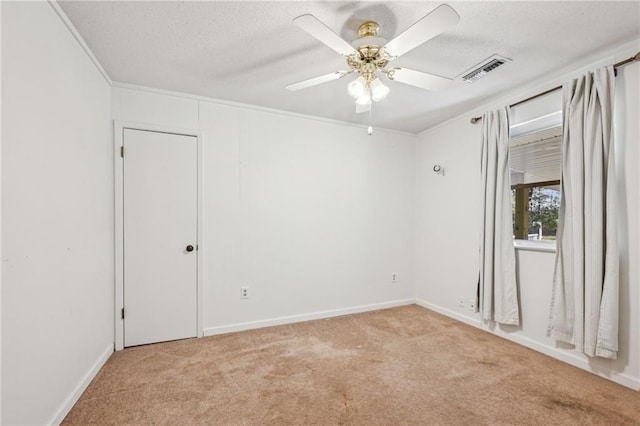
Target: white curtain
point(497, 289)
point(584, 304)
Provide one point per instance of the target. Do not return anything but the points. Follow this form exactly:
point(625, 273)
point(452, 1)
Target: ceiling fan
point(369, 56)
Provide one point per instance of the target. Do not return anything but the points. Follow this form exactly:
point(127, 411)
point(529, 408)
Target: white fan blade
point(313, 26)
point(439, 20)
point(317, 80)
point(418, 79)
point(362, 108)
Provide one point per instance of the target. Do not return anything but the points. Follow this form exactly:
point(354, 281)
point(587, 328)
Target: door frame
point(118, 138)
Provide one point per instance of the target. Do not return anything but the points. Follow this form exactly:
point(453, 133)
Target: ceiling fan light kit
point(365, 91)
point(369, 55)
point(356, 87)
point(364, 99)
point(378, 90)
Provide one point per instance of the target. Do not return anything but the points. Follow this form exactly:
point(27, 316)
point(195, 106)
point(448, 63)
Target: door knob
point(189, 247)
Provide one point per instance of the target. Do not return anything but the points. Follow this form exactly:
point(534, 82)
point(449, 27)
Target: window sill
point(529, 245)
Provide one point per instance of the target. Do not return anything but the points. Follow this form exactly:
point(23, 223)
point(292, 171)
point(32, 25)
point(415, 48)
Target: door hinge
point(122, 313)
point(122, 151)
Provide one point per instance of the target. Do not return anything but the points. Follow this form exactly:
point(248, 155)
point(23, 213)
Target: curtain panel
point(584, 304)
point(497, 294)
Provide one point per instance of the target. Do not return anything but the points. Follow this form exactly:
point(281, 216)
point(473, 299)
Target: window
point(535, 183)
point(536, 209)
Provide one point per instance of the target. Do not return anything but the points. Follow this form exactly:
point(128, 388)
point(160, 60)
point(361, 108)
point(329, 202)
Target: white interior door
point(160, 236)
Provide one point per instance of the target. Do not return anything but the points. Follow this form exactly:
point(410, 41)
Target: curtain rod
point(474, 120)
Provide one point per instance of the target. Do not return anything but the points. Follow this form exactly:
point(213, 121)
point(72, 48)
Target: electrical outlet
point(472, 305)
point(244, 292)
point(394, 278)
point(461, 302)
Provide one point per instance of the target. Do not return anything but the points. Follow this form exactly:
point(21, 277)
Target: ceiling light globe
point(378, 90)
point(365, 98)
point(356, 87)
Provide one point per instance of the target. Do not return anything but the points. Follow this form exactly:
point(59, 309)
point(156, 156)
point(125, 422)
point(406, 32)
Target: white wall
point(313, 216)
point(57, 216)
point(447, 228)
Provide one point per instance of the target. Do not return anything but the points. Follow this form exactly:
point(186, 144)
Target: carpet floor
point(404, 365)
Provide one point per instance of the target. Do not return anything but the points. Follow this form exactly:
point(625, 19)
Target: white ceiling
point(248, 51)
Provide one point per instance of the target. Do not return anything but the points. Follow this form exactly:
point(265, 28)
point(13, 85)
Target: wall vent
point(485, 67)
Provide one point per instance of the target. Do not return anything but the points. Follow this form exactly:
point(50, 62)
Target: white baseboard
point(451, 314)
point(68, 404)
point(569, 358)
point(211, 331)
point(572, 359)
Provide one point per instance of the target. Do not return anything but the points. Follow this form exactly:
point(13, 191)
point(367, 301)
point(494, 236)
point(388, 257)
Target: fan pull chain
point(370, 128)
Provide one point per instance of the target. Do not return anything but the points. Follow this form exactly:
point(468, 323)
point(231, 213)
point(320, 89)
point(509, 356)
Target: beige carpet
point(404, 365)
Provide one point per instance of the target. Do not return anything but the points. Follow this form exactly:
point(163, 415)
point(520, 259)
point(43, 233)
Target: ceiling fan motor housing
point(369, 55)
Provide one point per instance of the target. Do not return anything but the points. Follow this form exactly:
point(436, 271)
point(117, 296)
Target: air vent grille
point(485, 68)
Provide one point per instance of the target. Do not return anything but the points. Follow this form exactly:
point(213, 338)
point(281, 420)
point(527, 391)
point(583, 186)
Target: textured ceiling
point(249, 51)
